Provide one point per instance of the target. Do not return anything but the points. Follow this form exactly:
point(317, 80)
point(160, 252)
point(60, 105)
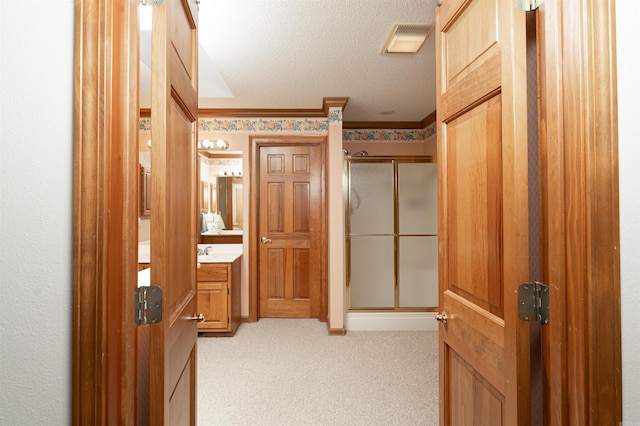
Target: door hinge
point(533, 302)
point(148, 305)
point(528, 5)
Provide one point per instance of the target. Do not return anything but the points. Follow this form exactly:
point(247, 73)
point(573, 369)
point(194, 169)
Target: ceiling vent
point(407, 38)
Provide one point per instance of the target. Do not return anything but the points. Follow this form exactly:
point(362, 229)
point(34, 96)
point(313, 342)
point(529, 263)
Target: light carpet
point(291, 372)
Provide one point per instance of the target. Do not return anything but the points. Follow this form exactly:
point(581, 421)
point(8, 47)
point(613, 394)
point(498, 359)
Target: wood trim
point(552, 211)
point(207, 154)
point(413, 125)
point(274, 112)
point(581, 257)
point(260, 112)
point(105, 180)
point(407, 125)
point(89, 337)
point(254, 195)
point(255, 143)
point(429, 119)
point(334, 103)
point(336, 331)
point(321, 112)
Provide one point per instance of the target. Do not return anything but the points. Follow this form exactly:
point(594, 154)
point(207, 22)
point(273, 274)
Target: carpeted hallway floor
point(290, 372)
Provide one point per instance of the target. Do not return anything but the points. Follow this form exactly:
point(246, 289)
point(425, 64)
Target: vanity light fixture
point(219, 145)
point(407, 38)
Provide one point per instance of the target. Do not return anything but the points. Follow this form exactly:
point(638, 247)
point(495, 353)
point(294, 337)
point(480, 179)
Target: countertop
point(223, 232)
point(218, 253)
point(221, 253)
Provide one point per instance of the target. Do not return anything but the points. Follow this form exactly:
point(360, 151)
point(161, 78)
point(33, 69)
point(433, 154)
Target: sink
point(219, 253)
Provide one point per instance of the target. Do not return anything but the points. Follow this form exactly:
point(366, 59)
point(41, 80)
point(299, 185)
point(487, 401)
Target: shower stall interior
point(392, 241)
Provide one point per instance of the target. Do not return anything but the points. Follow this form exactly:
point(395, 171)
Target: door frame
point(580, 211)
point(255, 142)
point(105, 211)
point(108, 28)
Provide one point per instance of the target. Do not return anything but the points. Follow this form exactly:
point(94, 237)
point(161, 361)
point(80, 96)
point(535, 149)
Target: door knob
point(265, 240)
point(196, 318)
point(442, 318)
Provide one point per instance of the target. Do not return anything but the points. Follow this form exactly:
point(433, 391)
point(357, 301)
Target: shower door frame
point(394, 160)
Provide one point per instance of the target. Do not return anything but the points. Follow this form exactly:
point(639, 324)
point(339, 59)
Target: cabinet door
point(213, 303)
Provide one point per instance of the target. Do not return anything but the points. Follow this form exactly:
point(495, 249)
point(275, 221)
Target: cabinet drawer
point(212, 272)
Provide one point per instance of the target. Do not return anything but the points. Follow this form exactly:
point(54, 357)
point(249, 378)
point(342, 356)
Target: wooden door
point(174, 97)
point(483, 212)
point(289, 229)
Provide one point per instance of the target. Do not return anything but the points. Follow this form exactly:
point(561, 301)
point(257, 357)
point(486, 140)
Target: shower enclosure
point(392, 242)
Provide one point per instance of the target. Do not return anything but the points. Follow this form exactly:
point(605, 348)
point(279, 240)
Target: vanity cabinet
point(218, 287)
point(221, 239)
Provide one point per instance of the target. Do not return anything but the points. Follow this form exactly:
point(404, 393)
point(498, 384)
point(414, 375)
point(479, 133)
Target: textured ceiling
point(292, 53)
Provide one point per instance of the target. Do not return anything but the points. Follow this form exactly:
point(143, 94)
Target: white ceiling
point(293, 53)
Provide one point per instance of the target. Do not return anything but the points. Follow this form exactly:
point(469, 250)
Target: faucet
point(204, 251)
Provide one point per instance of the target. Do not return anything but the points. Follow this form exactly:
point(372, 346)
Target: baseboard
point(336, 331)
point(391, 321)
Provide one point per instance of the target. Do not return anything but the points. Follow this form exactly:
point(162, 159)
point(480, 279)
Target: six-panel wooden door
point(289, 228)
point(174, 113)
point(483, 212)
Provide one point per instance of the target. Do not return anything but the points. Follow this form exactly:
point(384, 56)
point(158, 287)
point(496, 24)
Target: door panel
point(291, 203)
point(475, 240)
point(172, 364)
point(483, 212)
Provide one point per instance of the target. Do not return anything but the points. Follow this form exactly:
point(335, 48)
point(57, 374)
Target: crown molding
point(336, 102)
point(412, 125)
point(333, 103)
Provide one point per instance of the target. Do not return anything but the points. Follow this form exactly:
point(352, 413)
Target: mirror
point(221, 197)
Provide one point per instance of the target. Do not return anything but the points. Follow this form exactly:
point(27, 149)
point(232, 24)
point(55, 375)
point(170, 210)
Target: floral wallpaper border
point(335, 115)
point(263, 125)
point(388, 135)
point(145, 125)
point(250, 125)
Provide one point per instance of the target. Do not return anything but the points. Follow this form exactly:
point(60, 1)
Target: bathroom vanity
point(218, 286)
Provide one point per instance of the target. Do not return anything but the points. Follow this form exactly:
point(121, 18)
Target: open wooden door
point(174, 112)
point(483, 212)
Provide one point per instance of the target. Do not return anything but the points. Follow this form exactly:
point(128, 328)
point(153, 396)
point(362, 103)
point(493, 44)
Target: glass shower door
point(371, 232)
point(392, 241)
point(417, 235)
